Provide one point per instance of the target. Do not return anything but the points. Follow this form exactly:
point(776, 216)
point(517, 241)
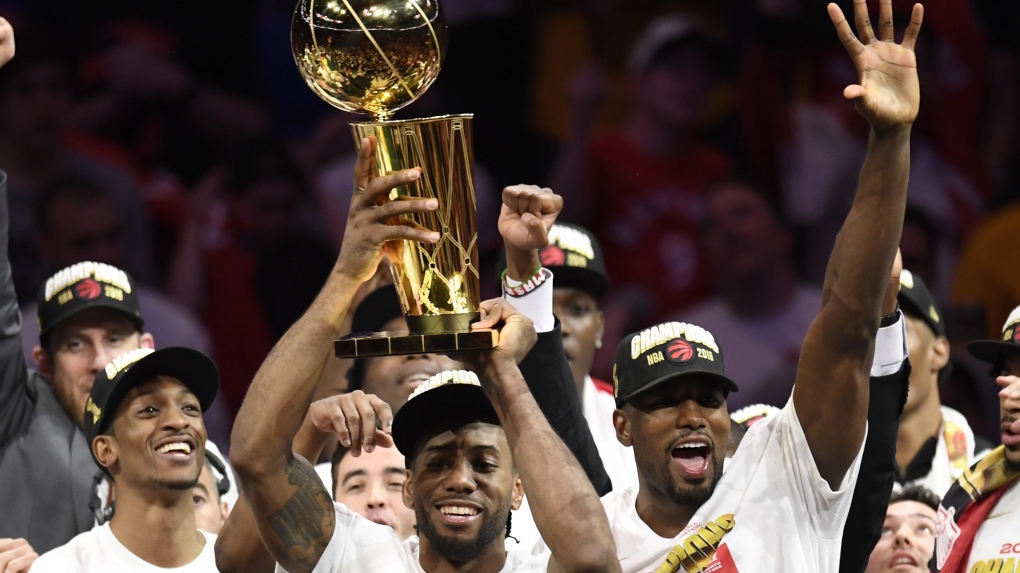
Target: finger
point(492, 314)
point(885, 21)
point(383, 440)
point(394, 208)
point(7, 543)
point(22, 564)
point(551, 203)
point(339, 421)
point(367, 413)
point(384, 414)
point(386, 233)
point(363, 167)
point(853, 91)
point(379, 188)
point(536, 229)
point(353, 417)
point(914, 28)
point(850, 42)
point(863, 21)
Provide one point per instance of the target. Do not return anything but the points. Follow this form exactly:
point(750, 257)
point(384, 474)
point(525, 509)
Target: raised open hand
point(888, 94)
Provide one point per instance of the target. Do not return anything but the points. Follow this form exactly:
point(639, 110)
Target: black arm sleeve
point(548, 375)
point(878, 471)
point(15, 405)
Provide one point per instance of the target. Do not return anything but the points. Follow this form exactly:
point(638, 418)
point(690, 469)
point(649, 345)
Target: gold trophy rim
point(416, 120)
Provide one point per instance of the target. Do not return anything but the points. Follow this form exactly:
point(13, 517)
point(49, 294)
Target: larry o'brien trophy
point(375, 57)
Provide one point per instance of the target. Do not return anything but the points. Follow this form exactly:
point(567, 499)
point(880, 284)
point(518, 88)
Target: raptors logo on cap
point(553, 256)
point(88, 289)
point(680, 352)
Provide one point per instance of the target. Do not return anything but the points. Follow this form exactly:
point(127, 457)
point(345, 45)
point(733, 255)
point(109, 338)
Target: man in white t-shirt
point(143, 420)
point(783, 500)
point(979, 520)
point(462, 480)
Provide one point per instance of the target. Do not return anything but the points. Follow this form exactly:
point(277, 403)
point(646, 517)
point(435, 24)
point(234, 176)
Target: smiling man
point(908, 534)
point(144, 422)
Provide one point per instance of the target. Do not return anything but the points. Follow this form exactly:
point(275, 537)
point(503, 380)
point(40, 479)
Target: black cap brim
point(992, 351)
point(195, 370)
point(587, 280)
point(436, 406)
point(728, 385)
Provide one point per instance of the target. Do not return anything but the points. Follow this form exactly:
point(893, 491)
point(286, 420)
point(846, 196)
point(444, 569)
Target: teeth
point(691, 445)
point(903, 560)
point(458, 510)
point(175, 446)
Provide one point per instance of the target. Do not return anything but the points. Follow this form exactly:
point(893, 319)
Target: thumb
point(853, 91)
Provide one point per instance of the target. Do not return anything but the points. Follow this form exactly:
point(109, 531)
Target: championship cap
point(82, 286)
point(194, 369)
point(916, 300)
point(995, 352)
point(664, 352)
point(575, 258)
point(376, 309)
point(452, 392)
point(674, 29)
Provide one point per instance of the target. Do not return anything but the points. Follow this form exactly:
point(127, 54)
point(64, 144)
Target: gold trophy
point(375, 57)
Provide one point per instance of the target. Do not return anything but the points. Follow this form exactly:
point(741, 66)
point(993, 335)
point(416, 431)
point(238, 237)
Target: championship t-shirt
point(771, 512)
point(362, 546)
point(997, 544)
point(99, 551)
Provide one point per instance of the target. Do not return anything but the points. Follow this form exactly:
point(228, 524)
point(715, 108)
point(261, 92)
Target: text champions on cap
point(100, 271)
point(444, 378)
point(660, 334)
point(124, 360)
point(571, 240)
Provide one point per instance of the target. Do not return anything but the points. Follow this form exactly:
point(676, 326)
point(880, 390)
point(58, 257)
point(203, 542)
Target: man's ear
point(105, 449)
point(518, 493)
point(147, 341)
point(622, 424)
point(600, 320)
point(43, 363)
point(224, 511)
point(939, 353)
point(408, 490)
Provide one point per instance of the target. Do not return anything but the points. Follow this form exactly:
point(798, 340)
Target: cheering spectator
point(908, 535)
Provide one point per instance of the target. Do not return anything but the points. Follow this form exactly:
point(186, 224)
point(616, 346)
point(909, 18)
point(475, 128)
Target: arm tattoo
point(302, 524)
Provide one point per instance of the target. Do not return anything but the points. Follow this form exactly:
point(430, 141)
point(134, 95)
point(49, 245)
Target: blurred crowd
point(706, 145)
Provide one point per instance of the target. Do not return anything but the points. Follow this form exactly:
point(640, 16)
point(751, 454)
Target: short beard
point(690, 495)
point(179, 485)
point(456, 550)
point(68, 405)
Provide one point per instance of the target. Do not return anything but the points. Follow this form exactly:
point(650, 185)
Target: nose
point(101, 357)
point(376, 497)
point(690, 415)
point(903, 536)
point(173, 419)
point(460, 478)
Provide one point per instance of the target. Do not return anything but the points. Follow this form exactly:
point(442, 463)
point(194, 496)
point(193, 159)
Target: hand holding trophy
point(375, 57)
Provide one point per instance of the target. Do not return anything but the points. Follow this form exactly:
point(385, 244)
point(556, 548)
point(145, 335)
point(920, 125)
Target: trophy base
point(402, 342)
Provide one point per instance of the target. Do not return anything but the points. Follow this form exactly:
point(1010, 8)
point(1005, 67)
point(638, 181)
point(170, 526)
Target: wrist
point(521, 265)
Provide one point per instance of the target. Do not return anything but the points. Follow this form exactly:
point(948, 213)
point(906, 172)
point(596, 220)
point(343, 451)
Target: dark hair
point(917, 493)
point(76, 187)
point(356, 375)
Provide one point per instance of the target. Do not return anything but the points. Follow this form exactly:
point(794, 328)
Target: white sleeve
point(536, 304)
point(360, 546)
point(826, 509)
point(890, 348)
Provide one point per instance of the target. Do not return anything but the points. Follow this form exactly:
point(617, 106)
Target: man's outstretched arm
point(293, 511)
point(566, 508)
point(831, 392)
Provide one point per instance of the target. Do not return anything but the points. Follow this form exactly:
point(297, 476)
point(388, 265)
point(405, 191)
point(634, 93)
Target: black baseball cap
point(449, 393)
point(575, 258)
point(664, 352)
point(995, 352)
point(194, 369)
point(376, 309)
point(917, 301)
point(82, 286)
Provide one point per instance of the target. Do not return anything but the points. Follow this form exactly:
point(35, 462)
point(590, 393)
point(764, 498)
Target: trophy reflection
point(375, 57)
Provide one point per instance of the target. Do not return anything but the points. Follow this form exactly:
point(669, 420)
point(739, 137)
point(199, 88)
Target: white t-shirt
point(770, 512)
point(997, 543)
point(362, 546)
point(98, 550)
point(598, 406)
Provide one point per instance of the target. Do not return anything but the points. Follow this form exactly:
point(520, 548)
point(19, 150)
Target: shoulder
point(80, 551)
point(603, 387)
